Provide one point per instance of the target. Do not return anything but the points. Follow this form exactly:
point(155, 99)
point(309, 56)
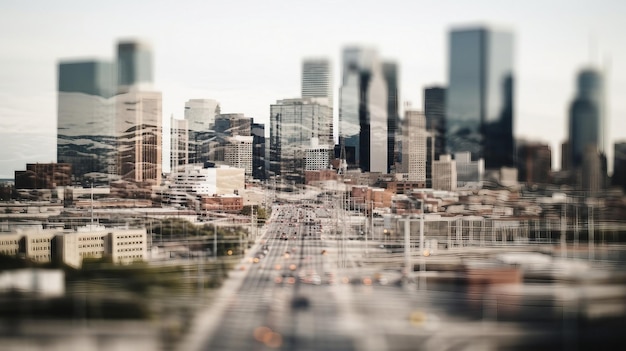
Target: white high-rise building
point(317, 156)
point(414, 146)
point(317, 79)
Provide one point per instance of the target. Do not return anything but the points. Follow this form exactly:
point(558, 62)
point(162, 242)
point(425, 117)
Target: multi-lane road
point(301, 288)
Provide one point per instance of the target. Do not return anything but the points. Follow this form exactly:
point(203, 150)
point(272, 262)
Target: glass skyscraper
point(585, 120)
point(479, 100)
point(134, 63)
point(363, 111)
point(85, 119)
point(293, 124)
point(390, 71)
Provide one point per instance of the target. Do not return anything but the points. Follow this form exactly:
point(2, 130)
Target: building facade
point(363, 111)
point(139, 141)
point(317, 80)
point(444, 173)
point(238, 153)
point(134, 65)
point(293, 123)
point(479, 98)
point(86, 119)
point(390, 72)
point(414, 137)
point(586, 122)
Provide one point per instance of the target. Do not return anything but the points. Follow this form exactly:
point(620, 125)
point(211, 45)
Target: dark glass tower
point(390, 72)
point(585, 119)
point(479, 101)
point(134, 64)
point(435, 112)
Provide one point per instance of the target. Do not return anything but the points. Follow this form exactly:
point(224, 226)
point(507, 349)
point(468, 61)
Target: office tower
point(414, 146)
point(363, 111)
point(85, 119)
point(317, 156)
point(468, 173)
point(619, 165)
point(134, 65)
point(259, 171)
point(444, 173)
point(534, 163)
point(232, 124)
point(390, 72)
point(479, 98)
point(566, 163)
point(200, 115)
point(317, 80)
point(293, 123)
point(139, 136)
point(435, 111)
point(238, 153)
point(586, 124)
point(179, 145)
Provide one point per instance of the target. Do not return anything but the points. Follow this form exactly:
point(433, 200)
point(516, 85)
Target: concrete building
point(444, 173)
point(414, 135)
point(179, 143)
point(123, 246)
point(238, 153)
point(317, 156)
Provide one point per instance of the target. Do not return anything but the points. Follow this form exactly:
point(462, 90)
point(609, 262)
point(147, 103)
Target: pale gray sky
point(247, 54)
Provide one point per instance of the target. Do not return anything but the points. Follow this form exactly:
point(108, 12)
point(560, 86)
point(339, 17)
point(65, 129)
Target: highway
point(295, 291)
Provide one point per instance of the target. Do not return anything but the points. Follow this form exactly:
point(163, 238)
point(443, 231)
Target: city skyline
point(233, 66)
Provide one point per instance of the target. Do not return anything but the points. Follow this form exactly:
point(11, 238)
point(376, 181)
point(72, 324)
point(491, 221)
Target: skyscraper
point(586, 123)
point(435, 112)
point(86, 119)
point(390, 71)
point(293, 123)
point(363, 111)
point(317, 79)
point(479, 100)
point(134, 64)
point(200, 116)
point(139, 136)
point(619, 165)
point(414, 146)
point(259, 170)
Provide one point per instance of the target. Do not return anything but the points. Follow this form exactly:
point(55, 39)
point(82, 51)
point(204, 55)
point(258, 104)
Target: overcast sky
point(247, 55)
